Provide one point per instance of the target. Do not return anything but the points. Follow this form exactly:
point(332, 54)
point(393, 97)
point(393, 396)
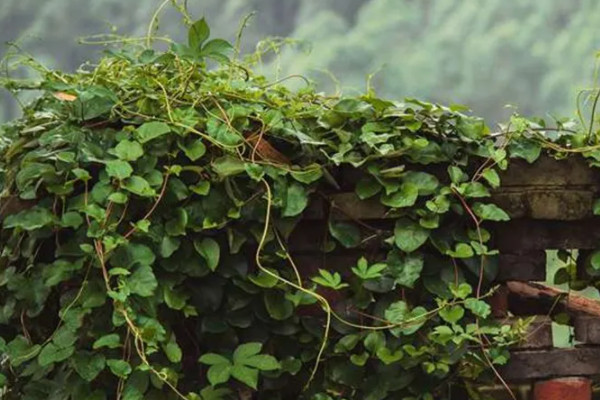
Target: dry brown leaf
point(266, 151)
point(65, 96)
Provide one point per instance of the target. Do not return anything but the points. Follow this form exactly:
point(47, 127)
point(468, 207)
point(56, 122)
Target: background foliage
point(534, 54)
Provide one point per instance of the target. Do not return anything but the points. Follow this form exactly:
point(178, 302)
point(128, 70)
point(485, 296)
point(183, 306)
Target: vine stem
point(153, 22)
point(478, 295)
point(480, 237)
point(591, 129)
point(320, 298)
point(151, 211)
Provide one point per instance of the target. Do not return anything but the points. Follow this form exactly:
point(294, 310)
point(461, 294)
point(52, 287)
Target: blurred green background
point(535, 55)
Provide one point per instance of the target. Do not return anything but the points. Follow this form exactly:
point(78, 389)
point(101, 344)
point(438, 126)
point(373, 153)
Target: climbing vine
point(151, 207)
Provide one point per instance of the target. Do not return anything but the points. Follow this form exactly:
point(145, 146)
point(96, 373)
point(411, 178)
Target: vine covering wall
point(147, 210)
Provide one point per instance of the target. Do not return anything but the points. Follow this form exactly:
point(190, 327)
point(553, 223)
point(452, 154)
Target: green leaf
point(262, 362)
point(452, 314)
point(327, 279)
point(367, 187)
point(176, 225)
point(597, 207)
point(409, 321)
point(347, 234)
point(491, 176)
point(52, 353)
point(120, 368)
point(246, 350)
point(29, 220)
point(138, 185)
point(387, 357)
point(440, 204)
point(93, 102)
point(527, 149)
point(462, 290)
point(425, 183)
point(219, 373)
point(81, 174)
point(172, 350)
point(118, 198)
point(246, 375)
point(88, 365)
point(151, 130)
point(217, 49)
point(19, 350)
point(112, 341)
point(60, 271)
point(197, 34)
point(202, 188)
point(415, 320)
point(351, 106)
point(64, 337)
point(209, 250)
point(396, 312)
point(213, 359)
point(405, 197)
point(131, 254)
point(474, 190)
point(264, 279)
point(374, 341)
point(168, 246)
point(462, 250)
point(406, 270)
point(409, 235)
point(490, 212)
point(478, 307)
point(308, 175)
point(472, 128)
point(278, 307)
point(228, 166)
point(296, 200)
point(359, 359)
point(457, 175)
point(595, 260)
point(129, 150)
point(142, 281)
point(119, 169)
point(222, 133)
point(365, 272)
point(347, 343)
point(175, 298)
point(255, 171)
point(71, 219)
point(194, 150)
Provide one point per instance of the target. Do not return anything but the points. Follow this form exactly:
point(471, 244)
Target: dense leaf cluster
point(157, 200)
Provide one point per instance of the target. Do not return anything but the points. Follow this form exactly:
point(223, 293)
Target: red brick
point(563, 389)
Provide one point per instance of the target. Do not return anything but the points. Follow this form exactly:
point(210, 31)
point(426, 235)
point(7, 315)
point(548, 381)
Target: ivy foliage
point(160, 198)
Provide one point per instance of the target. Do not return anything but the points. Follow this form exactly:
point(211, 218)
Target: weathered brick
point(587, 329)
point(563, 389)
point(544, 364)
point(527, 266)
point(522, 235)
